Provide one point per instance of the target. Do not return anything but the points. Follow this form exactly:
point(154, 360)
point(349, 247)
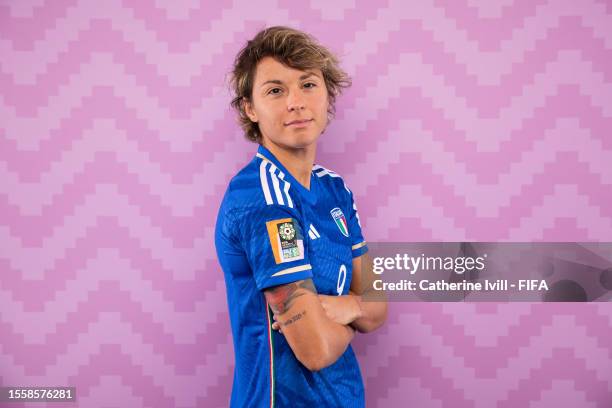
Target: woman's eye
point(274, 91)
point(309, 85)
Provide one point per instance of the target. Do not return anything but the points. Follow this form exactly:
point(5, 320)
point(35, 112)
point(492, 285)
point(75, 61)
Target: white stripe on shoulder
point(276, 184)
point(286, 186)
point(321, 171)
point(264, 182)
point(279, 184)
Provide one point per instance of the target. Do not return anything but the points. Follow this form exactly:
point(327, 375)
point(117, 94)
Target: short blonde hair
point(293, 48)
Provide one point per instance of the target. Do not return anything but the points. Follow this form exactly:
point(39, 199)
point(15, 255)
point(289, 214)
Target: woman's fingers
point(324, 304)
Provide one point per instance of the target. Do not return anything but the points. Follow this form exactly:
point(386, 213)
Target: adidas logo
point(313, 233)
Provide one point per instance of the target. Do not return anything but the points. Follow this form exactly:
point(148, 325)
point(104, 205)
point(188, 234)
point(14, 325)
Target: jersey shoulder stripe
point(273, 184)
point(321, 171)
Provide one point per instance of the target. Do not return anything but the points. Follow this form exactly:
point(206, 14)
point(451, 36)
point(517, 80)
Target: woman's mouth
point(299, 123)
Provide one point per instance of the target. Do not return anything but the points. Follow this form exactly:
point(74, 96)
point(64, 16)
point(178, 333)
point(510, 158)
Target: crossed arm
point(351, 309)
point(316, 340)
point(319, 328)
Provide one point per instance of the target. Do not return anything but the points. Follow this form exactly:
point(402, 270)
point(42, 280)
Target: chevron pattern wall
point(467, 120)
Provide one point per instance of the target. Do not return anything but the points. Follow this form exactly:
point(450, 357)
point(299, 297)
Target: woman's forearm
point(326, 347)
point(338, 338)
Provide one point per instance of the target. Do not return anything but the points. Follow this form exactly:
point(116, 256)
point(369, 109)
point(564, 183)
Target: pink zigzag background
point(467, 120)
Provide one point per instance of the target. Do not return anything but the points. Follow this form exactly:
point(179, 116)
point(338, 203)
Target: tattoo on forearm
point(281, 297)
point(293, 319)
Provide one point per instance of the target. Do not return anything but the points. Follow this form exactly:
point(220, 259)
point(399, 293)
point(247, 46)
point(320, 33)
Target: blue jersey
point(270, 231)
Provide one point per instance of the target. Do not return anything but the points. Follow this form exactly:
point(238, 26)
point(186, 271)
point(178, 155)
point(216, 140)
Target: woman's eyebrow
point(279, 82)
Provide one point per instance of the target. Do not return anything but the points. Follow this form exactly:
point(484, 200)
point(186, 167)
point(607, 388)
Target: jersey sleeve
point(272, 238)
point(358, 242)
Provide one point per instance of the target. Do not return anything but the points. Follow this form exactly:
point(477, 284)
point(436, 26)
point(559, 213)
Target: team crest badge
point(286, 240)
point(340, 220)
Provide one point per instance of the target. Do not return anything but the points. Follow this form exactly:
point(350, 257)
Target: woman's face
point(289, 105)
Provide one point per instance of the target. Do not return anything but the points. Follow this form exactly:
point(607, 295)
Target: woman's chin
point(301, 141)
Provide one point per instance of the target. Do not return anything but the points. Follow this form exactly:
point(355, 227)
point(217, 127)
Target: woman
point(288, 236)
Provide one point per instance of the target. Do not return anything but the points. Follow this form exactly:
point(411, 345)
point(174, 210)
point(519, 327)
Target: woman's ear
point(248, 109)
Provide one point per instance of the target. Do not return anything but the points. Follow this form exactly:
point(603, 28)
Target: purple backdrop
point(466, 121)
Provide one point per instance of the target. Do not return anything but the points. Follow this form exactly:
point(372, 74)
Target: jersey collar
point(309, 195)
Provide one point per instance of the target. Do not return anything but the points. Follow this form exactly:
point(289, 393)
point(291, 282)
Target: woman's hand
point(341, 309)
point(276, 325)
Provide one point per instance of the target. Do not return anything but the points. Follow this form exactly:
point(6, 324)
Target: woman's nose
point(295, 101)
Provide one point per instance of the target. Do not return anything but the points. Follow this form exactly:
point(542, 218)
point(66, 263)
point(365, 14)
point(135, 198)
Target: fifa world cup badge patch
point(286, 240)
point(340, 220)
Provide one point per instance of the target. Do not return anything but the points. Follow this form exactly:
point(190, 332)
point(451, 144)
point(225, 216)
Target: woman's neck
point(298, 162)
